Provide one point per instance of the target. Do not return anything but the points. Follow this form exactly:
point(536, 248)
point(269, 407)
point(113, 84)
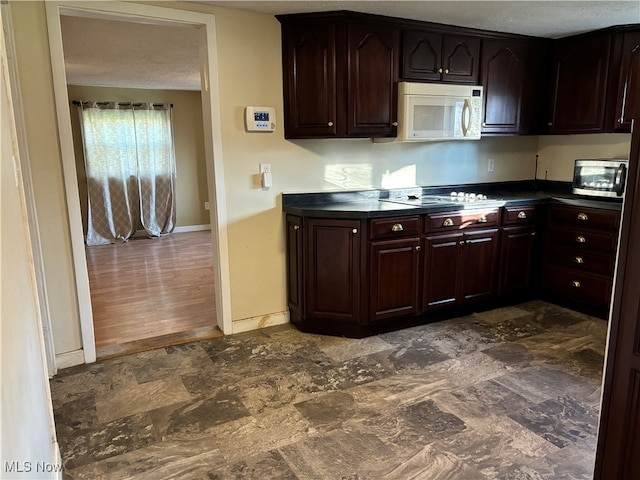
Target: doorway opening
point(202, 29)
point(146, 293)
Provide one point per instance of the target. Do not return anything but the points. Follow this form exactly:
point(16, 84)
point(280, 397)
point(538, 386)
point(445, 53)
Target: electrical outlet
point(206, 205)
point(265, 168)
point(491, 165)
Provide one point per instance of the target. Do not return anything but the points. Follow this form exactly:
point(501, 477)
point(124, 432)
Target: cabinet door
point(309, 73)
point(333, 269)
point(372, 95)
point(580, 81)
point(480, 255)
point(460, 59)
point(503, 80)
point(395, 270)
point(442, 262)
point(294, 266)
point(517, 252)
point(421, 55)
point(628, 93)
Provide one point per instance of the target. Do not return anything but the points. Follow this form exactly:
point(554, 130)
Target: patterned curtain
point(130, 165)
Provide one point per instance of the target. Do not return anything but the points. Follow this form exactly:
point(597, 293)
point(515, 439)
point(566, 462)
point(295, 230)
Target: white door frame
point(210, 93)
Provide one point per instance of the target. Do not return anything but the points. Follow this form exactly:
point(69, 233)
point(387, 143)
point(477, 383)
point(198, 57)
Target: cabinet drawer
point(394, 227)
point(582, 287)
point(608, 220)
point(464, 219)
point(519, 215)
point(584, 240)
point(579, 260)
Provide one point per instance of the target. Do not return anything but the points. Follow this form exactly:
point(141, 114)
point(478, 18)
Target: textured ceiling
point(112, 53)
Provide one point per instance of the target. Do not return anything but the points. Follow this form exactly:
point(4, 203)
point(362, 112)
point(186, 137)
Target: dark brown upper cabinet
point(580, 70)
point(372, 80)
point(340, 75)
point(310, 80)
point(625, 92)
point(432, 56)
point(511, 70)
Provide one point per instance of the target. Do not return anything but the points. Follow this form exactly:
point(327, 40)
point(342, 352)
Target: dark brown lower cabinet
point(460, 267)
point(442, 263)
point(580, 252)
point(355, 277)
point(394, 278)
point(516, 266)
point(333, 266)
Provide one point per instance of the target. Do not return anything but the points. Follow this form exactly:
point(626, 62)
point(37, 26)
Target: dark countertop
point(381, 203)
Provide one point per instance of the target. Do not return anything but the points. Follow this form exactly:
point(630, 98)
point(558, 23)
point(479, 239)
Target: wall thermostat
point(260, 119)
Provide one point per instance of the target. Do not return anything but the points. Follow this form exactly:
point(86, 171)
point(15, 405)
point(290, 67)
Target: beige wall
point(557, 153)
point(249, 66)
point(191, 181)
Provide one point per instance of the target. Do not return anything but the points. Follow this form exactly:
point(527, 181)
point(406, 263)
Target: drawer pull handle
point(355, 230)
point(583, 217)
point(578, 260)
point(447, 223)
point(522, 216)
point(397, 227)
point(482, 219)
point(296, 227)
point(575, 284)
point(580, 239)
point(461, 242)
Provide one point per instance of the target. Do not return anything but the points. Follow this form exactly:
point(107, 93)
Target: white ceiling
point(111, 53)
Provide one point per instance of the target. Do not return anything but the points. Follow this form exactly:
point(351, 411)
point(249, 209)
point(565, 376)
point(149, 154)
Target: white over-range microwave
point(433, 111)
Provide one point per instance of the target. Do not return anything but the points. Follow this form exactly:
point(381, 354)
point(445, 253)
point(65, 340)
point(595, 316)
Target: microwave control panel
point(260, 119)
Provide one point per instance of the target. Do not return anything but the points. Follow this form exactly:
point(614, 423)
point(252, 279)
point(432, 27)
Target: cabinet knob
point(484, 124)
point(446, 70)
point(522, 216)
point(580, 239)
point(533, 234)
point(330, 124)
point(621, 120)
point(447, 223)
point(397, 227)
point(440, 70)
point(355, 230)
point(461, 242)
point(482, 219)
point(550, 124)
point(575, 284)
point(583, 217)
point(579, 260)
point(395, 124)
point(418, 248)
point(296, 227)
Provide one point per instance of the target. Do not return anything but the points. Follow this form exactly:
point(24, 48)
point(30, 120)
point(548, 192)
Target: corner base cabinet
point(357, 277)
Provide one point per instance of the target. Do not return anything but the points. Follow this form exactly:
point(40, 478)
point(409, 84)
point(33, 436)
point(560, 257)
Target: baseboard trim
point(261, 321)
point(192, 228)
point(182, 229)
point(69, 359)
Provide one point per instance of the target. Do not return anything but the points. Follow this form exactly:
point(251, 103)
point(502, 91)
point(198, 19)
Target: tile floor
point(511, 393)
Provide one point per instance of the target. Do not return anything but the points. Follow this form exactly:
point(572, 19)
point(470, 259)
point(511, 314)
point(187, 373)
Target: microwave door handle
point(621, 174)
point(466, 112)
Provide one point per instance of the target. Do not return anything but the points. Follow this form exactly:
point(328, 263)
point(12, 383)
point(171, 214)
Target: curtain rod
point(122, 104)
